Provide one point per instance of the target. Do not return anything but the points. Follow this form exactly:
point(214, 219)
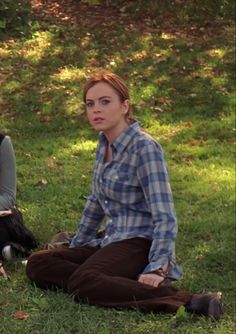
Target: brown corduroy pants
point(105, 276)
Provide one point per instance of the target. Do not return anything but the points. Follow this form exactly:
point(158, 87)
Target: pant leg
point(109, 278)
point(52, 268)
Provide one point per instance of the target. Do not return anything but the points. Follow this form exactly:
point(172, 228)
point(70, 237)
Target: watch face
point(160, 272)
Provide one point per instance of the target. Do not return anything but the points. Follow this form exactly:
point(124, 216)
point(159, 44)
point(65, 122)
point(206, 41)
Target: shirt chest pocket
point(122, 186)
point(129, 179)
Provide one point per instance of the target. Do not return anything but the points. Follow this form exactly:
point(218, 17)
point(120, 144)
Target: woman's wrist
point(160, 272)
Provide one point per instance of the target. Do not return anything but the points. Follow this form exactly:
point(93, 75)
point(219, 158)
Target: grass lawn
point(182, 87)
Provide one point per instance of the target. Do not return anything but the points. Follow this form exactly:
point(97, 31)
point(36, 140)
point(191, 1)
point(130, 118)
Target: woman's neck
point(108, 154)
point(114, 133)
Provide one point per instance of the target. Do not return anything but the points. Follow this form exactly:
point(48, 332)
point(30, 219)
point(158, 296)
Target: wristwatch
point(160, 272)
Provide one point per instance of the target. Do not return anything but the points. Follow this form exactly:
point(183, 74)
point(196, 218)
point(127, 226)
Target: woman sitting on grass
point(15, 238)
point(133, 265)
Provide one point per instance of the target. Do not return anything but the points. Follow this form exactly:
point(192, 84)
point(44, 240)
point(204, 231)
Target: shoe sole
point(7, 253)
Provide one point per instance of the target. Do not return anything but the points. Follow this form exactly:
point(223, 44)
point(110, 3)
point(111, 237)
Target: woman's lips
point(98, 120)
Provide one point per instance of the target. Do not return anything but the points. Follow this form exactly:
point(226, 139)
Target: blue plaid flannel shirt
point(133, 195)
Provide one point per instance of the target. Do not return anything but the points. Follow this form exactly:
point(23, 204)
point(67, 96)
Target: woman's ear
point(125, 106)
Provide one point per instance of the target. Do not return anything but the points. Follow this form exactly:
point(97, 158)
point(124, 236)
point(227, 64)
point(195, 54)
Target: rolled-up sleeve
point(153, 177)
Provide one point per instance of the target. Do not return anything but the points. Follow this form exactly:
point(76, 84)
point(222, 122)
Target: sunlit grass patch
point(36, 48)
point(68, 73)
point(81, 148)
point(12, 86)
point(217, 53)
point(167, 36)
point(4, 52)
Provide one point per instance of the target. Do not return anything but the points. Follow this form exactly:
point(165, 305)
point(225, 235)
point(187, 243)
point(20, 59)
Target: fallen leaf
point(2, 272)
point(21, 315)
point(165, 100)
point(47, 119)
point(41, 183)
point(160, 58)
point(51, 162)
point(189, 124)
point(157, 109)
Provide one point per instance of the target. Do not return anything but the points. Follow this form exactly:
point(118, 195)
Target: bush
point(201, 9)
point(182, 10)
point(14, 16)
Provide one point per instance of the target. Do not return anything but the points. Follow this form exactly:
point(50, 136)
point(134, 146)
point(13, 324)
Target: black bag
point(16, 233)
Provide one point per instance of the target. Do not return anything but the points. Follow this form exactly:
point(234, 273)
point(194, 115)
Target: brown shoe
point(207, 304)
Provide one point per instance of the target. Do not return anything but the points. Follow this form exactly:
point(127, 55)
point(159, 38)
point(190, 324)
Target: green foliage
point(197, 10)
point(182, 10)
point(14, 16)
point(181, 313)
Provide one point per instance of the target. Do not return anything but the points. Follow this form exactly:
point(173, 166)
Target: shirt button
point(105, 201)
point(110, 220)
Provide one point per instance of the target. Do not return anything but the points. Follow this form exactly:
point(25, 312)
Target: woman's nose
point(96, 108)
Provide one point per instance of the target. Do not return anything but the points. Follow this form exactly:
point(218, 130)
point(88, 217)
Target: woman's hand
point(2, 271)
point(151, 279)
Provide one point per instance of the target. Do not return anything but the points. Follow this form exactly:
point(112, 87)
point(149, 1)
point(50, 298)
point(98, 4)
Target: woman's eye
point(104, 102)
point(89, 104)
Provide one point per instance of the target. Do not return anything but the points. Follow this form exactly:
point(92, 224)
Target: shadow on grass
point(173, 74)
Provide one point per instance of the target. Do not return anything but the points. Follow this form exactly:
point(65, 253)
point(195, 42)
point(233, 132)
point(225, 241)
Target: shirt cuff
point(174, 271)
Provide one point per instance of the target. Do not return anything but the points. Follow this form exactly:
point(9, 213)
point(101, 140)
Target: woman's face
point(105, 111)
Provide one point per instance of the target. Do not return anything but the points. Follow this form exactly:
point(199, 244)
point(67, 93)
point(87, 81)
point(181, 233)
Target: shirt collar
point(124, 138)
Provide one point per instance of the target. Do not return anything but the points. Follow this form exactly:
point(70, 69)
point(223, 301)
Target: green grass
point(182, 89)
